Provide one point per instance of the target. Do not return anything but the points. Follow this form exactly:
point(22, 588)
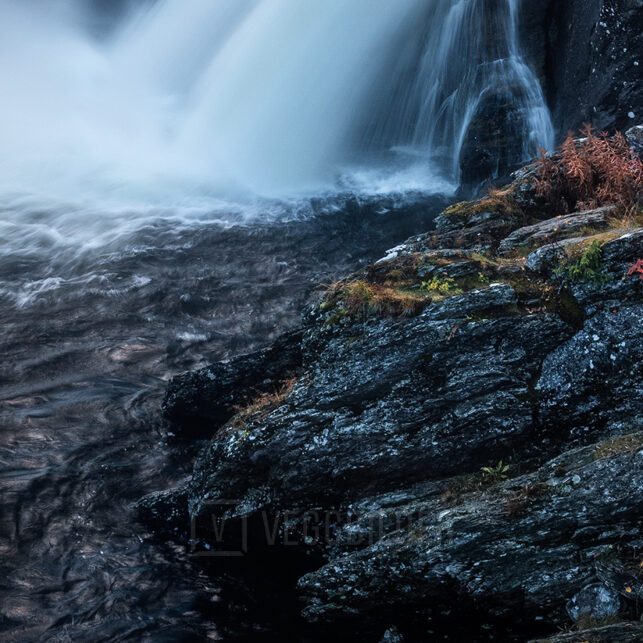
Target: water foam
point(202, 104)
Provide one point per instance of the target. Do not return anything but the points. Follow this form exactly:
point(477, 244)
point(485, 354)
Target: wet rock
point(208, 398)
point(617, 633)
point(594, 603)
point(634, 137)
point(166, 512)
point(546, 259)
point(611, 286)
point(597, 48)
point(404, 425)
point(493, 141)
point(547, 231)
point(470, 550)
point(392, 635)
point(596, 378)
point(399, 401)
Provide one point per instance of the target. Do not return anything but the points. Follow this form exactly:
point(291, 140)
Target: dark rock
point(589, 53)
point(210, 397)
point(612, 287)
point(166, 512)
point(493, 141)
point(546, 259)
point(594, 603)
point(552, 229)
point(402, 428)
point(634, 137)
point(512, 550)
point(617, 633)
point(596, 378)
point(403, 401)
point(392, 635)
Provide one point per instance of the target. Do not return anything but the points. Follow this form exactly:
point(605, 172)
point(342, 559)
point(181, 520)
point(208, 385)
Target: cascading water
point(268, 95)
point(467, 53)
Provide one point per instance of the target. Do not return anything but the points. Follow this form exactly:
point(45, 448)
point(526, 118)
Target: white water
point(194, 99)
point(468, 51)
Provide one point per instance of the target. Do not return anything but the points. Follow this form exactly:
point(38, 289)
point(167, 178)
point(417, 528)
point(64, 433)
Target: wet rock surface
point(209, 397)
point(587, 53)
point(460, 445)
point(619, 633)
point(554, 229)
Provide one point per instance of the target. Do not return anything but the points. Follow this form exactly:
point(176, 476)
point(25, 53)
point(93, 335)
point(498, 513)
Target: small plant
point(443, 287)
point(360, 299)
point(263, 404)
point(636, 269)
point(498, 473)
point(587, 267)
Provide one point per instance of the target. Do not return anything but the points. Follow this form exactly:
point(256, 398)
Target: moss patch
point(360, 299)
point(585, 264)
point(618, 445)
point(497, 201)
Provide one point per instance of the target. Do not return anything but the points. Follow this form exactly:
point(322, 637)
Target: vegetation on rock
point(587, 267)
point(591, 172)
point(528, 351)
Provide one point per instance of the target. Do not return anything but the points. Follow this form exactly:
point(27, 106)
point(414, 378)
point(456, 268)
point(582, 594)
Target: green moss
point(499, 201)
point(588, 267)
point(461, 209)
point(441, 287)
point(360, 299)
point(336, 317)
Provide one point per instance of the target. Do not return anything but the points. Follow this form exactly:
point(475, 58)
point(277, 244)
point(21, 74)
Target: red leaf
point(636, 269)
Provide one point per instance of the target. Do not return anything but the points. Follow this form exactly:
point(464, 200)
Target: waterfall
point(269, 96)
point(279, 102)
point(465, 51)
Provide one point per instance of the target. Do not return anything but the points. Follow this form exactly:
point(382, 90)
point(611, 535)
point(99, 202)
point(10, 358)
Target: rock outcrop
point(461, 438)
point(588, 54)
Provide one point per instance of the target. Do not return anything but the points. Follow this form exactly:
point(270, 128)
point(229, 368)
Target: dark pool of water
point(89, 340)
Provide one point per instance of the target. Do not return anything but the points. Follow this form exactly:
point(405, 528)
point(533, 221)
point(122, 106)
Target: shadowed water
point(90, 336)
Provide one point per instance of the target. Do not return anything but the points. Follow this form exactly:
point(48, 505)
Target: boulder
point(594, 603)
point(517, 550)
point(462, 431)
point(551, 230)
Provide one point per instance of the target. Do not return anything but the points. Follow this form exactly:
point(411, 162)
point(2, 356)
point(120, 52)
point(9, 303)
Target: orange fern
point(590, 172)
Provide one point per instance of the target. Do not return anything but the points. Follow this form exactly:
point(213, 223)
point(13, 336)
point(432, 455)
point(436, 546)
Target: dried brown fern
point(593, 171)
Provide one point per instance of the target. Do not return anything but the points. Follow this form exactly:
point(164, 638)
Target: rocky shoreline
point(454, 437)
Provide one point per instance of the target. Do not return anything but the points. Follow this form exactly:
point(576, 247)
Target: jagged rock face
point(504, 336)
point(391, 402)
point(589, 55)
point(521, 547)
point(210, 397)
